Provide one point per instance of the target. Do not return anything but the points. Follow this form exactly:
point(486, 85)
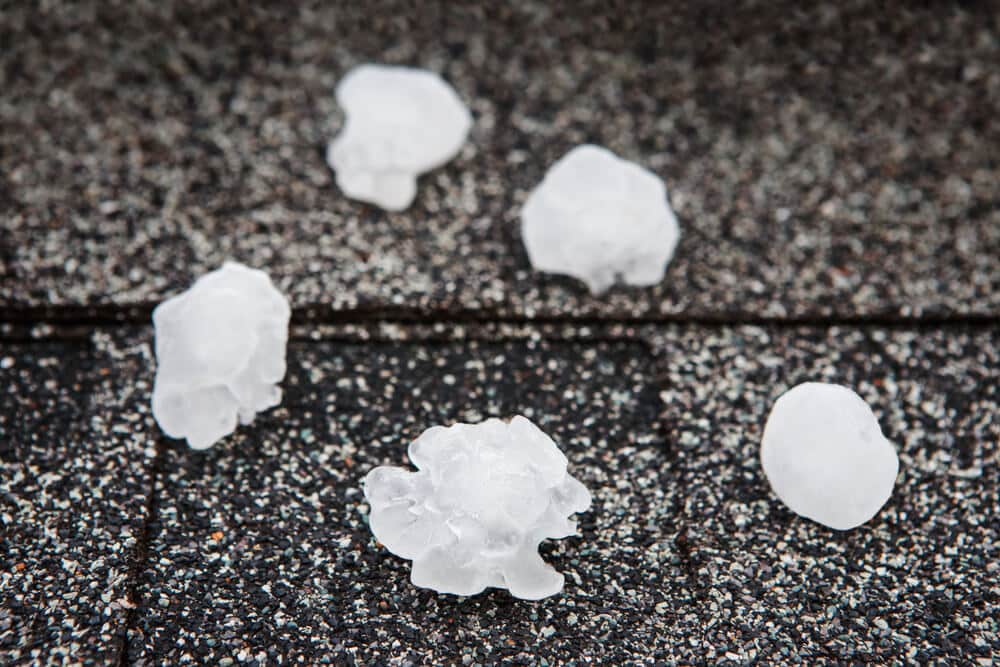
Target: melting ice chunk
point(473, 516)
point(220, 348)
point(598, 218)
point(401, 122)
point(825, 456)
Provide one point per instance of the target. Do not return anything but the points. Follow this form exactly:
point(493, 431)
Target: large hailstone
point(220, 348)
point(825, 456)
point(473, 516)
point(401, 122)
point(598, 218)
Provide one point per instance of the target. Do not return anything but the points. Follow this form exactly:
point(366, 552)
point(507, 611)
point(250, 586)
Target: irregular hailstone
point(220, 348)
point(485, 496)
point(825, 456)
point(597, 217)
point(401, 122)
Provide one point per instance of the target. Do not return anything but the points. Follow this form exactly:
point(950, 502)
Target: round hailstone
point(825, 456)
point(401, 122)
point(220, 351)
point(598, 218)
point(473, 516)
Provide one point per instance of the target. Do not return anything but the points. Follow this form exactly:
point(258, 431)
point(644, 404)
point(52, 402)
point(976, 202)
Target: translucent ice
point(825, 456)
point(401, 122)
point(485, 496)
point(597, 217)
point(220, 348)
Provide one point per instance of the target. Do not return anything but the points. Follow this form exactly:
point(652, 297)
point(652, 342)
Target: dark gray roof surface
point(259, 547)
point(837, 179)
point(76, 455)
point(839, 161)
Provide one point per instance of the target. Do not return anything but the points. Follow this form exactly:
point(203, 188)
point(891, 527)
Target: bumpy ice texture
point(485, 496)
point(220, 348)
point(599, 218)
point(401, 122)
point(825, 456)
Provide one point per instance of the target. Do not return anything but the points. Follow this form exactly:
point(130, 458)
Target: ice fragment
point(598, 218)
point(474, 514)
point(825, 456)
point(220, 349)
point(401, 122)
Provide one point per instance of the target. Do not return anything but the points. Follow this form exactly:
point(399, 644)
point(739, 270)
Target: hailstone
point(825, 456)
point(401, 122)
point(220, 348)
point(474, 514)
point(599, 218)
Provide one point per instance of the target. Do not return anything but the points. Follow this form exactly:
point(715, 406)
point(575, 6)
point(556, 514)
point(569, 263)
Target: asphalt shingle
point(261, 543)
point(835, 162)
point(918, 583)
point(75, 483)
point(835, 165)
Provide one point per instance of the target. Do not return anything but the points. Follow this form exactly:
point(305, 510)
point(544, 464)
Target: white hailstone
point(401, 122)
point(220, 349)
point(825, 456)
point(473, 516)
point(599, 218)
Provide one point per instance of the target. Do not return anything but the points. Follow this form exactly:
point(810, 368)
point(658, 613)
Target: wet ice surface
point(600, 218)
point(220, 350)
point(473, 516)
point(401, 122)
point(825, 456)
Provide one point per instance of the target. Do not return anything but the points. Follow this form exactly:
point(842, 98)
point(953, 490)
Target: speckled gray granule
point(918, 583)
point(260, 548)
point(262, 543)
point(837, 161)
point(74, 487)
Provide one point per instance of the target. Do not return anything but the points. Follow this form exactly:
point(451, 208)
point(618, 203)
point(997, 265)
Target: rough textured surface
point(75, 480)
point(260, 546)
point(262, 543)
point(842, 160)
point(918, 582)
point(832, 162)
